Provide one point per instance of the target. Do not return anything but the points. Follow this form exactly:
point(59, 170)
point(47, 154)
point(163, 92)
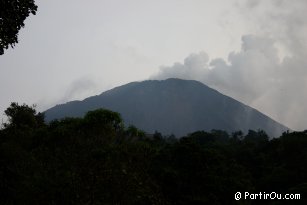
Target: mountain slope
point(172, 106)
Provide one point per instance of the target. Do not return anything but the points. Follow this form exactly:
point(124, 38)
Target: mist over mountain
point(172, 106)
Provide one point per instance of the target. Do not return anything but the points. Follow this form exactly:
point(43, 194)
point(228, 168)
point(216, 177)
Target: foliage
point(12, 16)
point(23, 116)
point(96, 160)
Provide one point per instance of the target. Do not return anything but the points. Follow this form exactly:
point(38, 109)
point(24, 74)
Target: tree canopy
point(12, 16)
point(96, 160)
point(23, 116)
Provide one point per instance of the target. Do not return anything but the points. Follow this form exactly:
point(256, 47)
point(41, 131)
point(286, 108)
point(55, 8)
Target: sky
point(252, 50)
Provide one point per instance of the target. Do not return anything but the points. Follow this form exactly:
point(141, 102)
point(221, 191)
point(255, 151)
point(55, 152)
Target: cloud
point(192, 66)
point(270, 71)
point(78, 89)
point(255, 75)
point(241, 76)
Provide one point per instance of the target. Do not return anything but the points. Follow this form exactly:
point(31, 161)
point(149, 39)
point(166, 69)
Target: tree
point(12, 16)
point(133, 133)
point(23, 116)
point(104, 118)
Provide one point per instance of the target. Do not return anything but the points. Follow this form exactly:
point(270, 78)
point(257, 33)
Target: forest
point(97, 160)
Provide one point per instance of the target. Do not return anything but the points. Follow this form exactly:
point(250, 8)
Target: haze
point(253, 51)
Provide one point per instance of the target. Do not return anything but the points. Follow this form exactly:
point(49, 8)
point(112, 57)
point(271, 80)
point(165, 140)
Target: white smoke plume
point(269, 73)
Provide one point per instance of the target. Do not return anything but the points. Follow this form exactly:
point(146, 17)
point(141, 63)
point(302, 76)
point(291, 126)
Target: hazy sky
point(252, 50)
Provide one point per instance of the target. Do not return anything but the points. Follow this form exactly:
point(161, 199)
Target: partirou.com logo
point(266, 196)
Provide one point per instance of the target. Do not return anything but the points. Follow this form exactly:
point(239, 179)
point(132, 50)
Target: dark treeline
point(96, 160)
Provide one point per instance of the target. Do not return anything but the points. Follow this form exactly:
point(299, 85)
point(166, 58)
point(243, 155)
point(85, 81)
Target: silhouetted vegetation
point(96, 160)
point(12, 16)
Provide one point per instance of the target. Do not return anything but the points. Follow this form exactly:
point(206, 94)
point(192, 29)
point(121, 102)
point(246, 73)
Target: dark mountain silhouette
point(172, 106)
